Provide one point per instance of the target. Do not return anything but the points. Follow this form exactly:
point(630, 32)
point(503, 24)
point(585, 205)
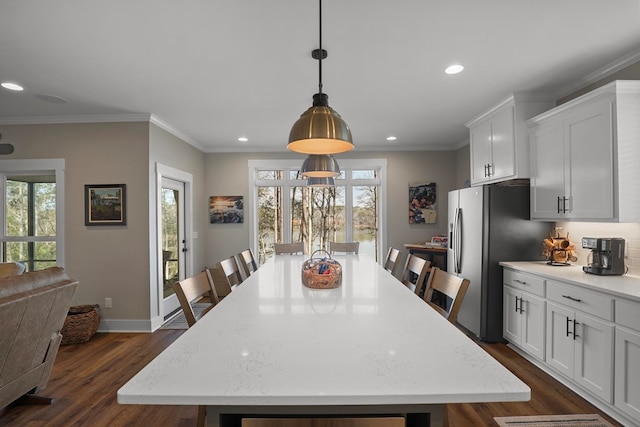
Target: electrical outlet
point(108, 303)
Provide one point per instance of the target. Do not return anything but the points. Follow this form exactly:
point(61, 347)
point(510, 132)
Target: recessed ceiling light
point(454, 69)
point(391, 138)
point(12, 86)
point(243, 139)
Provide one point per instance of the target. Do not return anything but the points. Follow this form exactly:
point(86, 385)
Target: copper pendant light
point(321, 182)
point(320, 129)
point(320, 166)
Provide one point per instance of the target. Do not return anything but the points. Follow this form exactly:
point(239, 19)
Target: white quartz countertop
point(622, 286)
point(371, 341)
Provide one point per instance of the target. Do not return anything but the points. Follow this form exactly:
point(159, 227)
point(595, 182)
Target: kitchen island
point(368, 347)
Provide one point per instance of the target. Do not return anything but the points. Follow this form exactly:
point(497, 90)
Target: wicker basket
point(80, 325)
point(321, 273)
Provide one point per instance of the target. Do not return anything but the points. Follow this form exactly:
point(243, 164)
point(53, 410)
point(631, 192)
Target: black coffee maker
point(606, 257)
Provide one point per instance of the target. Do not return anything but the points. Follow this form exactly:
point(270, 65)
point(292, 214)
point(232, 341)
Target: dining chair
point(344, 248)
point(288, 248)
point(230, 272)
point(390, 260)
point(248, 262)
point(8, 269)
point(191, 292)
point(415, 273)
point(445, 292)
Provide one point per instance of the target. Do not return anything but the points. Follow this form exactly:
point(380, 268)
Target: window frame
point(36, 167)
point(380, 165)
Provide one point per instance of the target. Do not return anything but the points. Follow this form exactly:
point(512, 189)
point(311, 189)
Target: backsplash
point(630, 232)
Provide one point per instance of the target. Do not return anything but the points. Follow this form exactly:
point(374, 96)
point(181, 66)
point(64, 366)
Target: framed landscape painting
point(226, 210)
point(105, 204)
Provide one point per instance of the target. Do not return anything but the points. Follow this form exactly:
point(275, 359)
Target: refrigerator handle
point(453, 235)
point(458, 233)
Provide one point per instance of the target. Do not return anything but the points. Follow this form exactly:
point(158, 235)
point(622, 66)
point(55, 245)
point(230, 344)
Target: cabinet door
point(480, 145)
point(547, 171)
point(560, 346)
point(594, 356)
point(627, 372)
point(503, 151)
point(589, 172)
point(533, 322)
point(512, 319)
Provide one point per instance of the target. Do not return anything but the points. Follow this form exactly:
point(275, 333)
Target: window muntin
point(352, 210)
point(30, 218)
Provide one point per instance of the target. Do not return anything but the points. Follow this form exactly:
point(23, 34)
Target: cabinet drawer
point(627, 314)
point(523, 281)
point(580, 299)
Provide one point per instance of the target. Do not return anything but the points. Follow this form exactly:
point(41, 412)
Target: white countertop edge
point(625, 286)
point(317, 401)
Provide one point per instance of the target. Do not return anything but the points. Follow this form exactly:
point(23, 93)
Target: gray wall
point(226, 174)
point(118, 262)
point(108, 261)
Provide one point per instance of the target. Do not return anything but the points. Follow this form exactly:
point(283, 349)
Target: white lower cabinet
point(627, 360)
point(524, 319)
point(586, 338)
point(581, 347)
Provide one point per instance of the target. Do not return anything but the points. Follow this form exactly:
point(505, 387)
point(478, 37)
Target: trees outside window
point(30, 221)
point(286, 210)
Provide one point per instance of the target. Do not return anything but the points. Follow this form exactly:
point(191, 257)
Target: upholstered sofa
point(33, 307)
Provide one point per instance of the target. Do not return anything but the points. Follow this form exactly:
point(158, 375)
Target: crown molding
point(175, 132)
point(103, 118)
point(46, 120)
point(600, 73)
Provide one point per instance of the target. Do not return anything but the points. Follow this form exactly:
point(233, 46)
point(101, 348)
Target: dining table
point(369, 347)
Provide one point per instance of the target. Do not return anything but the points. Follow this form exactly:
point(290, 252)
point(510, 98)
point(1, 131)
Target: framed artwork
point(105, 204)
point(226, 210)
point(422, 203)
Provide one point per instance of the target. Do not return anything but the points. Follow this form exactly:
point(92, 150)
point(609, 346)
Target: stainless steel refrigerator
point(489, 224)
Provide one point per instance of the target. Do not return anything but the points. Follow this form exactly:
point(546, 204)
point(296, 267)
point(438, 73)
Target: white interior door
point(172, 227)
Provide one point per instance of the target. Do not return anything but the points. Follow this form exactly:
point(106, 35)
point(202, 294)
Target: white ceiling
point(214, 70)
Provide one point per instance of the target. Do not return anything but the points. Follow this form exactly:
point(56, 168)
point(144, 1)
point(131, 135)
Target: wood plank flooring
point(86, 377)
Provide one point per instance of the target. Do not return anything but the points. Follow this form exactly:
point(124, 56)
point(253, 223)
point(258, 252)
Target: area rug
point(579, 420)
point(180, 322)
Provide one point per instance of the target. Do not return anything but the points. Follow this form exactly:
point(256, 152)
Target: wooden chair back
point(192, 290)
point(445, 292)
point(288, 248)
point(346, 248)
point(218, 282)
point(247, 262)
point(390, 260)
point(415, 273)
point(230, 272)
point(189, 291)
point(8, 269)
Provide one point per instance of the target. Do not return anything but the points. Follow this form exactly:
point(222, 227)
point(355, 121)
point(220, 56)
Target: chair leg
point(202, 416)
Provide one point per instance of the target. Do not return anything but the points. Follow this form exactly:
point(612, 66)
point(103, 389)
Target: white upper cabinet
point(585, 156)
point(499, 143)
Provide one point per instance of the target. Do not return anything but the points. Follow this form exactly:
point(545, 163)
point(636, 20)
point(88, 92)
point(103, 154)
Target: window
point(283, 209)
point(31, 213)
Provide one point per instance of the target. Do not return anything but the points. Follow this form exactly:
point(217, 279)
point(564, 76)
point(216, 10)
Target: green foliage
point(30, 211)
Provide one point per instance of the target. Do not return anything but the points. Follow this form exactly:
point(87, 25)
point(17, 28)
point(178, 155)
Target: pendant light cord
point(320, 47)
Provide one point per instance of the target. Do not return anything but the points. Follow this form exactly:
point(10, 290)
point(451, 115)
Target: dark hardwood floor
point(86, 377)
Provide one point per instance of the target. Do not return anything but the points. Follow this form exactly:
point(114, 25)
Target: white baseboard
point(130, 325)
